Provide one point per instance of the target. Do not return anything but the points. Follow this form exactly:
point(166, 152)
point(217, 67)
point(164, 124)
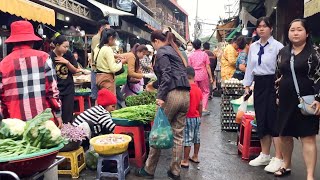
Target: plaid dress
point(27, 84)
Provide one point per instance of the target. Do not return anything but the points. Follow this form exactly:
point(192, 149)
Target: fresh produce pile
point(111, 140)
point(91, 159)
point(20, 138)
point(142, 113)
point(141, 99)
point(72, 133)
point(83, 90)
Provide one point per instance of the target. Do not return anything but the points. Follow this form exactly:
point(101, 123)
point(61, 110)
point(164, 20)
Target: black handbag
point(120, 71)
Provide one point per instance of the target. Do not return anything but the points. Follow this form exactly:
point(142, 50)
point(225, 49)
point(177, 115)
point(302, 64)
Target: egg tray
point(230, 127)
point(227, 116)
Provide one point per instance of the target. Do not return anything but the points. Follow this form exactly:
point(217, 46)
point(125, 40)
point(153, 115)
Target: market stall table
point(58, 160)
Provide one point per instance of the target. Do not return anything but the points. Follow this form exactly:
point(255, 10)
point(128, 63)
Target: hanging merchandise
point(245, 17)
point(125, 5)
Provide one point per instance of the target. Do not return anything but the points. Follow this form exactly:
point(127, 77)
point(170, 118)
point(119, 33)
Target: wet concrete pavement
point(219, 157)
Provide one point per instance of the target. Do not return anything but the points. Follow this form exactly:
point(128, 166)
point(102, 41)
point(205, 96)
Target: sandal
point(197, 162)
point(282, 172)
point(185, 166)
point(142, 173)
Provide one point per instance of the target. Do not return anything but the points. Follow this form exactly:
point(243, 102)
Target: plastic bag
point(161, 136)
point(241, 110)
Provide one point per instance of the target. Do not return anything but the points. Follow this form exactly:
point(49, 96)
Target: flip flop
point(190, 159)
point(282, 172)
point(184, 166)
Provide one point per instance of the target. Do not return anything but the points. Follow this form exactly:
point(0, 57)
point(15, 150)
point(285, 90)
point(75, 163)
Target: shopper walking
point(189, 49)
point(213, 64)
point(193, 122)
point(28, 82)
point(173, 96)
point(65, 66)
point(292, 122)
point(106, 64)
point(199, 60)
point(261, 68)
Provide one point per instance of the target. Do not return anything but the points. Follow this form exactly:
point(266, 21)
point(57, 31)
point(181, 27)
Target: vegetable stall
point(30, 148)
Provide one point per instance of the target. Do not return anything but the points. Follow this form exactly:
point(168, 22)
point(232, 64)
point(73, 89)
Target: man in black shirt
point(213, 65)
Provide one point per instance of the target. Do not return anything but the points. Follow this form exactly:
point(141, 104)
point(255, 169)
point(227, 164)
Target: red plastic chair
point(247, 146)
point(138, 140)
point(81, 100)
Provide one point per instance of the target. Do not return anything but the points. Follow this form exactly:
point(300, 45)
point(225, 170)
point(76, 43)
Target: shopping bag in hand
point(161, 136)
point(243, 108)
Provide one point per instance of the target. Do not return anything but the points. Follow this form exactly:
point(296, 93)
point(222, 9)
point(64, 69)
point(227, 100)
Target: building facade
point(169, 13)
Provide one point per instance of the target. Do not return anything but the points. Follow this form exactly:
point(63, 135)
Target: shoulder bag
point(305, 101)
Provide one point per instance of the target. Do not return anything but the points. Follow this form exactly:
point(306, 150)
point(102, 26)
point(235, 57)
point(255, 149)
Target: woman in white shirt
point(261, 67)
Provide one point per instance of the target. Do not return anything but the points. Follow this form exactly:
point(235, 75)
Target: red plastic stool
point(138, 141)
point(81, 100)
point(247, 146)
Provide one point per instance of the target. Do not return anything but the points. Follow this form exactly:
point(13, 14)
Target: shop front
point(12, 10)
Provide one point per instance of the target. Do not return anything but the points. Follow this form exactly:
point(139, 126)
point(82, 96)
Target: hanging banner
point(311, 7)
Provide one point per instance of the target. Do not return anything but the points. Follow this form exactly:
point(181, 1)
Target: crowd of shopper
point(285, 78)
point(286, 92)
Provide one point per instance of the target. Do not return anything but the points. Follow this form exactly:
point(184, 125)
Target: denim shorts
point(191, 132)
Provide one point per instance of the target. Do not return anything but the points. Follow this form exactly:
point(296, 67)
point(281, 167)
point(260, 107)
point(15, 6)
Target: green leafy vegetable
point(143, 113)
point(141, 99)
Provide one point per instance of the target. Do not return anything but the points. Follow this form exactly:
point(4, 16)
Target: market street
point(219, 158)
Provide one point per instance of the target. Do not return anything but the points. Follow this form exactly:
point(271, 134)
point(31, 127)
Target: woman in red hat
point(97, 120)
point(28, 82)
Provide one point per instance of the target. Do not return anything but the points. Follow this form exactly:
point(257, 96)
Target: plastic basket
point(235, 106)
point(30, 164)
point(126, 122)
point(110, 149)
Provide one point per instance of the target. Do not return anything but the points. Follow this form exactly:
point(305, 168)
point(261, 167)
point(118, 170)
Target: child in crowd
point(97, 120)
point(192, 128)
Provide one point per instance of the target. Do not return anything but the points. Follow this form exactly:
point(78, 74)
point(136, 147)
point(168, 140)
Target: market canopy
point(233, 33)
point(106, 10)
point(178, 36)
point(28, 10)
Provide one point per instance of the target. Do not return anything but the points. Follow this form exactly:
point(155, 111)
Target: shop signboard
point(144, 16)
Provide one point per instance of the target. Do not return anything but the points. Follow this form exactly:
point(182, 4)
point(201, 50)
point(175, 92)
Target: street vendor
point(97, 120)
point(28, 82)
point(135, 76)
